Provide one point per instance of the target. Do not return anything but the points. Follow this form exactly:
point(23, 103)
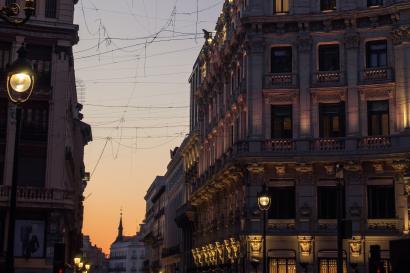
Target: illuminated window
point(281, 121)
point(378, 118)
point(282, 265)
point(329, 265)
point(281, 6)
point(332, 120)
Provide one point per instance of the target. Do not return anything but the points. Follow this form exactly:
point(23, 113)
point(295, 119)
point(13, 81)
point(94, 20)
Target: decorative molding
point(304, 168)
point(330, 169)
point(378, 167)
point(381, 93)
point(352, 39)
point(355, 210)
point(280, 98)
point(255, 168)
point(401, 34)
point(332, 96)
point(305, 211)
point(255, 246)
point(400, 166)
point(305, 245)
point(280, 170)
point(355, 247)
point(353, 166)
point(304, 42)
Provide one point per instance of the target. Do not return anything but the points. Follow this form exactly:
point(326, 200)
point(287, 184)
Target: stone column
point(401, 40)
point(254, 95)
point(352, 40)
point(304, 70)
point(255, 180)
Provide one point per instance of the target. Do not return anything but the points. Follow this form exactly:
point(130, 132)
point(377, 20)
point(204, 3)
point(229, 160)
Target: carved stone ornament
point(304, 42)
point(236, 246)
point(305, 211)
point(228, 249)
point(352, 39)
point(355, 210)
point(220, 252)
point(305, 245)
point(355, 248)
point(304, 168)
point(255, 246)
point(401, 34)
point(378, 167)
point(407, 189)
point(353, 167)
point(400, 166)
point(255, 168)
point(280, 170)
point(330, 169)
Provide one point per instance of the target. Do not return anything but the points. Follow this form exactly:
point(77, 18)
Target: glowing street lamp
point(264, 202)
point(19, 86)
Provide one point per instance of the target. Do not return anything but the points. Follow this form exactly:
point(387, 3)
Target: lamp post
point(20, 84)
point(80, 266)
point(264, 201)
point(9, 13)
point(340, 215)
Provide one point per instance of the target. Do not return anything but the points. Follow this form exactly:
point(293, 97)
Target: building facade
point(94, 256)
point(127, 253)
point(175, 198)
point(153, 230)
point(281, 93)
point(51, 174)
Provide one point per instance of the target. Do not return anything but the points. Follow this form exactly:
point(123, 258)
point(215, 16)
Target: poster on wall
point(29, 238)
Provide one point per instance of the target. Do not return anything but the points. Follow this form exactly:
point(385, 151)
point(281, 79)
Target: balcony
point(39, 196)
point(280, 80)
point(280, 145)
point(377, 75)
point(328, 145)
point(375, 143)
point(329, 78)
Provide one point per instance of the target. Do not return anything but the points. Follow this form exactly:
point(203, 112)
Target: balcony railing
point(328, 144)
point(329, 77)
point(374, 143)
point(280, 145)
point(377, 74)
point(280, 80)
point(38, 195)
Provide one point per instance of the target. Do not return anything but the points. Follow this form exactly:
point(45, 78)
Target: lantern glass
point(20, 82)
point(80, 265)
point(264, 201)
point(87, 267)
point(77, 261)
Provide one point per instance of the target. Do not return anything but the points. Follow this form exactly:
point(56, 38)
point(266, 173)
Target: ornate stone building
point(281, 92)
point(51, 175)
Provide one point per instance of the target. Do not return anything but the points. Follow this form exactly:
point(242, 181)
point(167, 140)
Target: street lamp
point(264, 201)
point(340, 215)
point(19, 86)
point(9, 13)
point(80, 266)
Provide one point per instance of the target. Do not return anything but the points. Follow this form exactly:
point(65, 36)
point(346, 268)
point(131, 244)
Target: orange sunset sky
point(133, 53)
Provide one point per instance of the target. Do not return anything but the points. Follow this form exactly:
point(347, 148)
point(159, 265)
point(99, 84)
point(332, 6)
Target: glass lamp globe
point(80, 265)
point(264, 201)
point(77, 261)
point(87, 267)
point(20, 82)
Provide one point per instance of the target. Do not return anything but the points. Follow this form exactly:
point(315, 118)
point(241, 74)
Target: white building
point(127, 253)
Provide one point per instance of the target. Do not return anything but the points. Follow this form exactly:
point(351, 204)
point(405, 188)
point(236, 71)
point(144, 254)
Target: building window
point(282, 265)
point(283, 203)
point(9, 2)
point(381, 201)
point(329, 58)
point(281, 6)
point(378, 118)
point(281, 121)
point(327, 5)
point(51, 9)
point(34, 122)
point(332, 120)
point(374, 3)
point(387, 267)
point(40, 57)
point(281, 59)
point(327, 202)
point(376, 54)
point(329, 265)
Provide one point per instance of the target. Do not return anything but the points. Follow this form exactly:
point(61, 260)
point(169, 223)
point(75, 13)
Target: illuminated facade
point(281, 93)
point(51, 174)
